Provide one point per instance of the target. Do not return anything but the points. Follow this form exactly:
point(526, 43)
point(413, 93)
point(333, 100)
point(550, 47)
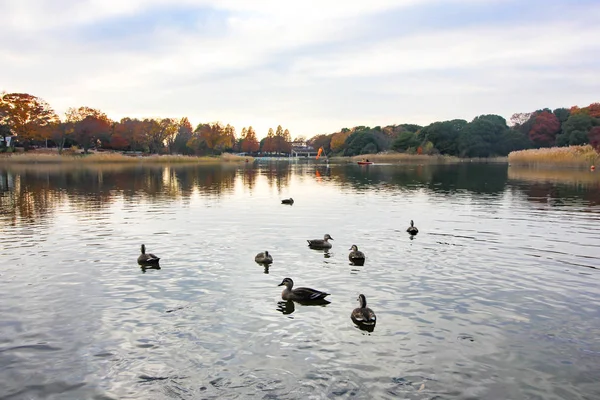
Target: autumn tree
point(127, 134)
point(229, 137)
point(268, 144)
point(319, 141)
point(338, 139)
point(27, 116)
point(544, 129)
point(59, 132)
point(96, 128)
point(169, 128)
point(594, 138)
point(213, 137)
point(88, 130)
point(250, 142)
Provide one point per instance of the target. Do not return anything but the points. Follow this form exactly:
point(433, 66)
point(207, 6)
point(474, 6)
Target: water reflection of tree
point(25, 200)
point(482, 178)
point(29, 193)
point(249, 175)
point(278, 174)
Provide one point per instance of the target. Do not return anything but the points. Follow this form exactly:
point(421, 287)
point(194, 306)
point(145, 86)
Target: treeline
point(484, 136)
point(35, 123)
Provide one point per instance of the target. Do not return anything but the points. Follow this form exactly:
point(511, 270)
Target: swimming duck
point(412, 229)
point(289, 201)
point(147, 258)
point(363, 316)
point(263, 258)
point(300, 294)
point(320, 243)
point(355, 256)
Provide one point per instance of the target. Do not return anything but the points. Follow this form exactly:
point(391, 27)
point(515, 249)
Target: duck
point(355, 256)
point(300, 294)
point(363, 316)
point(412, 229)
point(263, 258)
point(320, 243)
point(289, 201)
point(147, 258)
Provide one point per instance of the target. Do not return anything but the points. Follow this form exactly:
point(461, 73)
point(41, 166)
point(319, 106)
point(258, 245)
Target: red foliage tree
point(594, 136)
point(594, 110)
point(27, 116)
point(89, 129)
point(544, 129)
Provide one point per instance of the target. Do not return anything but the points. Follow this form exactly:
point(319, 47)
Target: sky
point(311, 66)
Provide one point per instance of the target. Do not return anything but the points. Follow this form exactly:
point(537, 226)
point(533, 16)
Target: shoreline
point(116, 158)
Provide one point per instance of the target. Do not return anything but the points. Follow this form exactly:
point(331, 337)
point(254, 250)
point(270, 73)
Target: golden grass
point(415, 158)
point(116, 158)
point(572, 156)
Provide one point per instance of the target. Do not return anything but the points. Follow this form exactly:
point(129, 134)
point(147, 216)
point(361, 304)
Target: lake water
point(497, 297)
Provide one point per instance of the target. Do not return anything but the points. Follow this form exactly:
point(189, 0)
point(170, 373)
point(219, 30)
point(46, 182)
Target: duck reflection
point(286, 307)
point(146, 267)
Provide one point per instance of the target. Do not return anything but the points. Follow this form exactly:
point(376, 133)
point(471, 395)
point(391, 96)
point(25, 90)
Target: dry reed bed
point(116, 158)
point(572, 156)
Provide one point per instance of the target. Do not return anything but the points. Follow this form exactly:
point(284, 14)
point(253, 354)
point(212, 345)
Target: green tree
point(482, 136)
point(184, 134)
point(445, 135)
point(405, 141)
point(575, 130)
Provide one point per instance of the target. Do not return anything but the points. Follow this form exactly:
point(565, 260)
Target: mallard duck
point(300, 294)
point(412, 229)
point(147, 258)
point(289, 201)
point(263, 258)
point(355, 256)
point(363, 316)
point(320, 243)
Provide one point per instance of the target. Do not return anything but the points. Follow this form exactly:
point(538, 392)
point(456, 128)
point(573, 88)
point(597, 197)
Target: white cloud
point(259, 67)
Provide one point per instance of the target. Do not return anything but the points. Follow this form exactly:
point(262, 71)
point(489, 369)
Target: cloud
point(313, 67)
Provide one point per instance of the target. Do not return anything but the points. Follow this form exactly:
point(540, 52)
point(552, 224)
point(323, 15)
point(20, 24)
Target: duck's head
point(143, 249)
point(412, 223)
point(362, 300)
point(287, 282)
point(327, 237)
point(354, 247)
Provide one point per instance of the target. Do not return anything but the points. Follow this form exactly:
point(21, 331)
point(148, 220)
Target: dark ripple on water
point(495, 298)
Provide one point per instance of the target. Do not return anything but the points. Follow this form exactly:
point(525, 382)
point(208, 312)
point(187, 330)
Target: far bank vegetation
point(33, 123)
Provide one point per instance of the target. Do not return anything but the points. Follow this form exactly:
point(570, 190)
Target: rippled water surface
point(497, 297)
